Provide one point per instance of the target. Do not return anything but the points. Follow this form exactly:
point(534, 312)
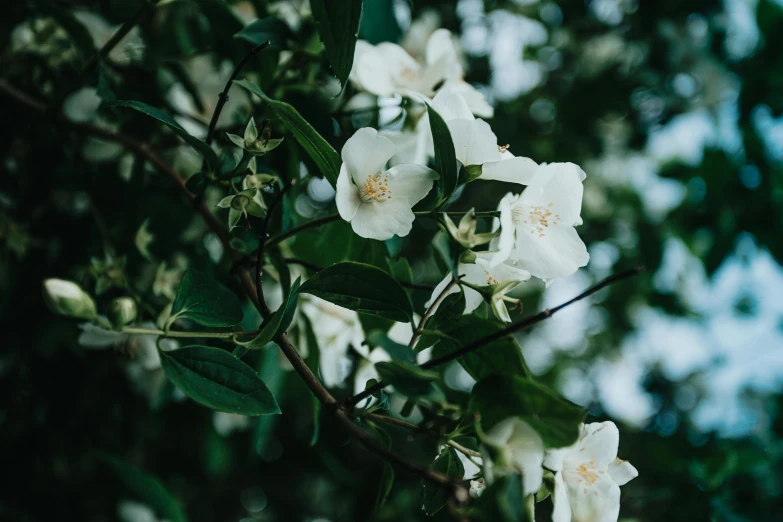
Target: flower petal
point(474, 141)
point(599, 443)
point(382, 220)
point(475, 99)
point(562, 511)
point(451, 106)
point(596, 502)
point(622, 471)
point(510, 169)
point(365, 154)
point(346, 195)
point(372, 73)
point(440, 45)
point(559, 184)
point(411, 182)
point(551, 252)
point(505, 241)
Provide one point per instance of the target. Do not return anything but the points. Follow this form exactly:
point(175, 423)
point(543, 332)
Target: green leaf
point(272, 30)
point(385, 486)
point(503, 501)
point(200, 146)
point(445, 157)
point(434, 496)
point(407, 378)
point(146, 488)
point(338, 25)
point(501, 357)
point(277, 323)
point(499, 397)
point(447, 314)
point(363, 288)
point(324, 156)
point(397, 351)
point(218, 380)
point(400, 269)
point(205, 301)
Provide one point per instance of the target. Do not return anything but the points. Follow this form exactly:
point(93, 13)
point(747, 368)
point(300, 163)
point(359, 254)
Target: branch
point(316, 268)
point(223, 96)
point(413, 427)
point(262, 237)
point(429, 313)
point(288, 349)
point(187, 335)
point(147, 7)
point(310, 224)
point(521, 325)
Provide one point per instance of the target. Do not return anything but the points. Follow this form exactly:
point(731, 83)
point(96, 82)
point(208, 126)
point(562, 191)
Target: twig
point(147, 7)
point(185, 335)
point(431, 310)
point(413, 427)
point(304, 226)
point(288, 349)
point(521, 325)
point(262, 237)
point(223, 96)
point(316, 268)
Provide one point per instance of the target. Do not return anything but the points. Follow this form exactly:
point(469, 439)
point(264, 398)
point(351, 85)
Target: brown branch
point(500, 334)
point(146, 8)
point(310, 224)
point(223, 96)
point(288, 349)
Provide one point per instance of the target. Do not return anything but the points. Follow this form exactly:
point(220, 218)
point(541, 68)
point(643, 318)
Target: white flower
point(588, 476)
point(226, 423)
point(378, 202)
point(481, 273)
point(520, 449)
point(387, 69)
point(132, 511)
point(67, 298)
point(538, 226)
point(336, 329)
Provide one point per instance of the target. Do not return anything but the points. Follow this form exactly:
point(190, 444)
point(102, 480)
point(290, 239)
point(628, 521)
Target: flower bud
point(68, 299)
point(122, 311)
point(465, 233)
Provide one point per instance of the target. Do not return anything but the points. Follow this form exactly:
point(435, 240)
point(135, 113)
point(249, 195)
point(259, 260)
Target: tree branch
point(304, 226)
point(147, 7)
point(431, 310)
point(288, 349)
point(521, 325)
point(223, 96)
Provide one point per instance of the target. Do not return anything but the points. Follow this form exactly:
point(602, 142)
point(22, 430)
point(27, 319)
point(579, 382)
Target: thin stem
point(185, 335)
point(518, 326)
point(262, 237)
point(146, 8)
point(431, 310)
point(305, 226)
point(433, 213)
point(316, 268)
point(288, 349)
point(223, 96)
point(413, 427)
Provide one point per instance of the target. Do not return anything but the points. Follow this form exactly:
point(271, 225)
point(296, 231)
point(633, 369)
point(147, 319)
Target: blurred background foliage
point(672, 108)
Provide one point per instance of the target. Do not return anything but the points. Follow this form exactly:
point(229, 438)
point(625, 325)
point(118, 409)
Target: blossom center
point(587, 472)
point(375, 188)
point(537, 217)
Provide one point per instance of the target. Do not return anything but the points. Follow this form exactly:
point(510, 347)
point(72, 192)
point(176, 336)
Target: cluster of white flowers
point(587, 476)
point(535, 234)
